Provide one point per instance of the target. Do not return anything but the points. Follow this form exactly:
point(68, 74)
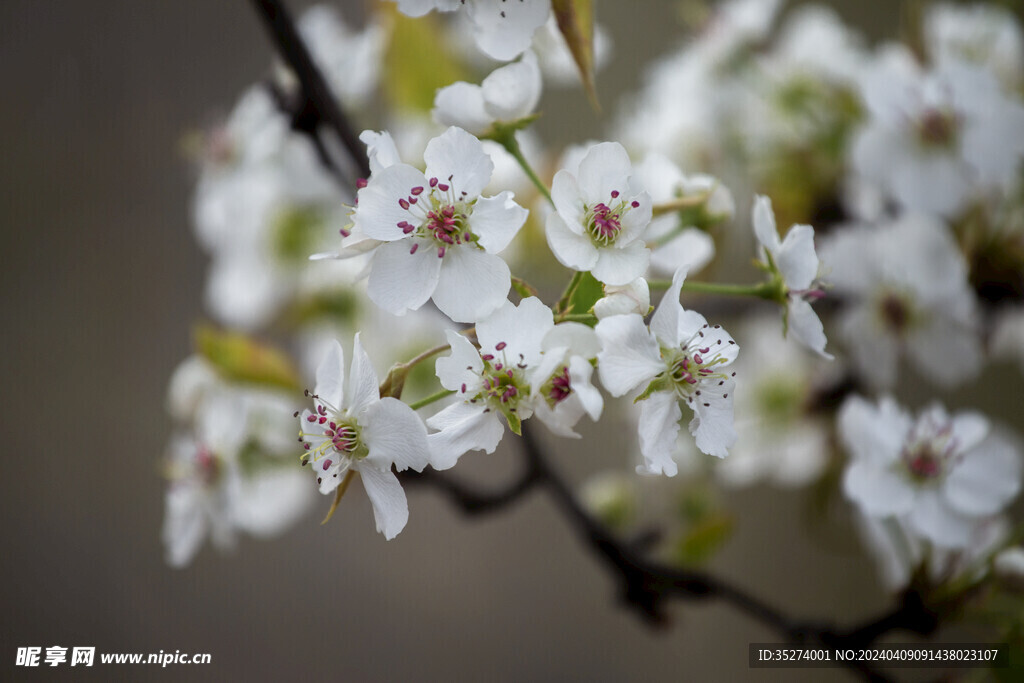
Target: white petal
point(621, 266)
point(462, 367)
point(985, 481)
point(330, 376)
point(935, 520)
point(796, 258)
point(805, 325)
point(378, 211)
point(629, 353)
point(472, 283)
point(969, 430)
point(577, 337)
point(691, 249)
point(658, 428)
point(571, 249)
point(580, 372)
point(948, 353)
point(874, 351)
point(395, 434)
point(185, 523)
point(417, 8)
point(380, 149)
point(665, 321)
point(712, 424)
point(764, 224)
point(362, 389)
point(462, 104)
point(512, 91)
point(390, 507)
point(605, 169)
point(401, 281)
point(457, 155)
point(505, 29)
point(634, 297)
point(464, 427)
point(879, 490)
point(496, 220)
point(565, 193)
point(520, 327)
point(874, 434)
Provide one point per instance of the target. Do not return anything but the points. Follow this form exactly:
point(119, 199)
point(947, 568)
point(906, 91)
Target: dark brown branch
point(316, 109)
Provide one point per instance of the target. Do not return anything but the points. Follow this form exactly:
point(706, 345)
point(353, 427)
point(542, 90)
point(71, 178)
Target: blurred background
point(101, 284)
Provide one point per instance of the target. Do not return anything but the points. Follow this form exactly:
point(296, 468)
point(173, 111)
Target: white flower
point(508, 94)
point(353, 428)
point(942, 473)
point(797, 263)
point(601, 215)
point(525, 365)
point(440, 237)
point(350, 60)
point(934, 140)
point(907, 289)
point(779, 439)
point(225, 473)
point(502, 29)
point(634, 297)
point(676, 243)
point(684, 359)
point(984, 34)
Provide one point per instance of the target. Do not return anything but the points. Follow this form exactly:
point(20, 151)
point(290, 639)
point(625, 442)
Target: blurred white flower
point(984, 34)
point(935, 140)
point(353, 428)
point(941, 472)
point(600, 217)
point(350, 60)
point(907, 290)
point(508, 94)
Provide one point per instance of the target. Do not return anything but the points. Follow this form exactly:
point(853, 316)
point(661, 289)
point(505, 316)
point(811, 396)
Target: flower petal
point(605, 169)
point(934, 519)
point(874, 434)
point(658, 428)
point(378, 211)
point(879, 490)
point(330, 376)
point(462, 367)
point(512, 92)
point(401, 281)
point(621, 266)
point(458, 157)
point(712, 424)
point(390, 507)
point(472, 283)
point(796, 258)
point(629, 353)
point(464, 427)
point(462, 104)
point(571, 249)
point(806, 327)
point(764, 224)
point(665, 321)
point(986, 480)
point(395, 434)
point(496, 220)
point(363, 386)
point(505, 29)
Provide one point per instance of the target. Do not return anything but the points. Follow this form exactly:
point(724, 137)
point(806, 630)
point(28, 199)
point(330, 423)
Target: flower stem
point(679, 204)
point(506, 137)
point(570, 289)
point(588, 318)
point(764, 290)
point(431, 399)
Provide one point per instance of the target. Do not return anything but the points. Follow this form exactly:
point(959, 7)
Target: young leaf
point(243, 359)
point(576, 23)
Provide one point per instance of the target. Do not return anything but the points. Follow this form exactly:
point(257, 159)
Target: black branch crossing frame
point(645, 585)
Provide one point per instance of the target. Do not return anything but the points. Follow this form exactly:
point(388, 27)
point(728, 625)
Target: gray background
point(101, 282)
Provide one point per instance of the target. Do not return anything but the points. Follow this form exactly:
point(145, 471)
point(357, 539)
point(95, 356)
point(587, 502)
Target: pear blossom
point(225, 470)
point(634, 297)
point(796, 262)
point(352, 428)
point(438, 237)
point(984, 34)
point(940, 472)
point(503, 29)
point(906, 289)
point(677, 241)
point(936, 139)
point(508, 94)
point(600, 217)
point(525, 365)
point(683, 359)
point(349, 59)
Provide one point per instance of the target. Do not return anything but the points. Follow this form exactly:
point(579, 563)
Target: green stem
point(431, 399)
point(578, 317)
point(764, 290)
point(570, 289)
point(506, 137)
point(674, 205)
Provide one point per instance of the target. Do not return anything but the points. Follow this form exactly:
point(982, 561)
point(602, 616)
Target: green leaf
point(576, 22)
point(418, 62)
point(586, 294)
point(701, 540)
point(514, 423)
point(243, 359)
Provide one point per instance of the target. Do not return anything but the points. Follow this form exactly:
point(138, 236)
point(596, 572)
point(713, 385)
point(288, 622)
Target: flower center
point(208, 465)
point(692, 366)
point(558, 387)
point(331, 437)
point(503, 383)
point(603, 222)
point(930, 452)
point(938, 128)
point(438, 216)
point(895, 312)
